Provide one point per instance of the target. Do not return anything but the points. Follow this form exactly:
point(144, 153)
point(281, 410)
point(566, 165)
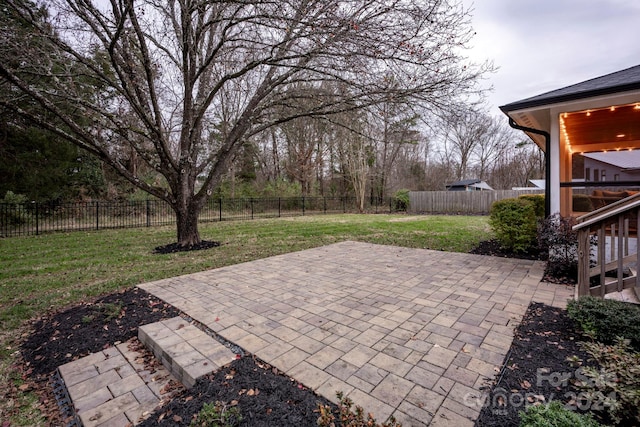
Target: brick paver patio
point(409, 332)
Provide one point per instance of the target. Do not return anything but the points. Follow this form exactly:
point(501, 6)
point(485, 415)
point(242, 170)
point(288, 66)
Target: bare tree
point(185, 83)
point(464, 130)
point(396, 128)
point(356, 153)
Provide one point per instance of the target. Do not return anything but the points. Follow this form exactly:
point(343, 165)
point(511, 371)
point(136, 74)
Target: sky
point(542, 45)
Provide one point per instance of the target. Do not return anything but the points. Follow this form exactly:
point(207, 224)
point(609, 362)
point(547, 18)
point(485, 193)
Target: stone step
point(185, 350)
point(116, 386)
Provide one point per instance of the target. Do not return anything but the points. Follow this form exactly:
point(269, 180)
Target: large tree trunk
point(187, 224)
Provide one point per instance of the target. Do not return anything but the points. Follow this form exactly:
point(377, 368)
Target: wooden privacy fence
point(464, 202)
point(614, 231)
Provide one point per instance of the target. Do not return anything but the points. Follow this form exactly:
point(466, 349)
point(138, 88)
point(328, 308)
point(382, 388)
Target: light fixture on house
point(612, 108)
point(620, 135)
point(588, 113)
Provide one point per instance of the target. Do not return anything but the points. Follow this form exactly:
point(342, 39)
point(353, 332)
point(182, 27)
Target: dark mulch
point(536, 368)
point(176, 247)
point(90, 327)
point(265, 396)
point(493, 248)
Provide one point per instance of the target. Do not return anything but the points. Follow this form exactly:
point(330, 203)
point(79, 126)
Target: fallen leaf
point(177, 418)
point(525, 384)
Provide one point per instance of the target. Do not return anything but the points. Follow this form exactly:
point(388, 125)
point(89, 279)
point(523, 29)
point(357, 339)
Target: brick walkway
point(409, 332)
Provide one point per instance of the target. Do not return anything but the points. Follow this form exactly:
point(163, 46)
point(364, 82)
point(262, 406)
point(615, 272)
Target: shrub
point(606, 319)
point(557, 238)
point(616, 385)
point(349, 418)
point(15, 208)
point(514, 223)
point(554, 415)
point(401, 200)
point(538, 203)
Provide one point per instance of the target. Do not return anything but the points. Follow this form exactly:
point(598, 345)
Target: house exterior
point(469, 185)
point(612, 166)
point(595, 116)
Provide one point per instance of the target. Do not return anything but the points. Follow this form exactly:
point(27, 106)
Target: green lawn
point(46, 272)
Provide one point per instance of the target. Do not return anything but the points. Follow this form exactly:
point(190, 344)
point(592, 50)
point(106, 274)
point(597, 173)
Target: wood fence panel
point(460, 202)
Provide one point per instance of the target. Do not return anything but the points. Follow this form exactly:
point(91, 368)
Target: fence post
point(324, 203)
point(302, 205)
point(148, 213)
point(251, 203)
point(37, 226)
point(279, 208)
point(97, 215)
point(220, 209)
point(344, 204)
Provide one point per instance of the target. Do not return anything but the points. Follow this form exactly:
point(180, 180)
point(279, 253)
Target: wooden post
point(583, 263)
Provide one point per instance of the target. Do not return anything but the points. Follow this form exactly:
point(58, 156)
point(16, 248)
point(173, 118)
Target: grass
point(48, 272)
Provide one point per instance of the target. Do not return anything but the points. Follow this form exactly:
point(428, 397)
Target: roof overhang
point(616, 89)
point(611, 115)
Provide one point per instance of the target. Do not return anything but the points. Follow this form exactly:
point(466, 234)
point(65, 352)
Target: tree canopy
point(182, 84)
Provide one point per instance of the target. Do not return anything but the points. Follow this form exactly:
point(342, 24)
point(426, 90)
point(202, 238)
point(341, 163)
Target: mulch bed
point(536, 368)
point(77, 331)
point(176, 247)
point(265, 396)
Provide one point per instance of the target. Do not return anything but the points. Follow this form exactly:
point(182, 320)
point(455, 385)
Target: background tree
point(185, 83)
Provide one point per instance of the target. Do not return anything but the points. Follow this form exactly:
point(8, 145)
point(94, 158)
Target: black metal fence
point(37, 218)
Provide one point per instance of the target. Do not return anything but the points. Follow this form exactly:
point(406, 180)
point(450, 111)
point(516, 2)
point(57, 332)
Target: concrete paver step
point(186, 351)
point(119, 385)
point(115, 386)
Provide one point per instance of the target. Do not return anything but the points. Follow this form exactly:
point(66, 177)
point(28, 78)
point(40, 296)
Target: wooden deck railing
point(611, 270)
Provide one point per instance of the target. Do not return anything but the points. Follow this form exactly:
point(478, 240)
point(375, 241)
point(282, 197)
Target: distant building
point(469, 185)
point(536, 184)
point(621, 165)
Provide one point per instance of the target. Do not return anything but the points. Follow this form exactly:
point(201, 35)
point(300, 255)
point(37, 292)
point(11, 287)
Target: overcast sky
point(542, 45)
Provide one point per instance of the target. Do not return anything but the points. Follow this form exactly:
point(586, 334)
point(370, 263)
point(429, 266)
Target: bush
point(538, 203)
point(557, 238)
point(15, 210)
point(554, 415)
point(616, 385)
point(606, 319)
point(514, 223)
point(401, 200)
